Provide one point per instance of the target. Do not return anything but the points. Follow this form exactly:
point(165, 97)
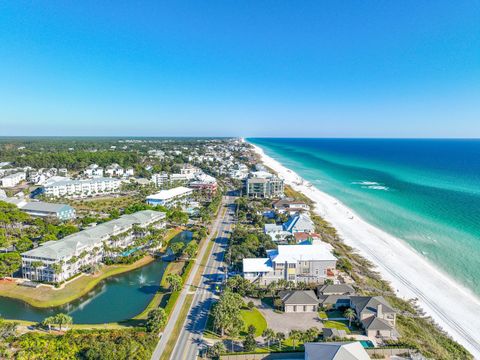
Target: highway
point(190, 339)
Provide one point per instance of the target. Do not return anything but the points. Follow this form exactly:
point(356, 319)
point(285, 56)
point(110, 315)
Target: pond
point(117, 298)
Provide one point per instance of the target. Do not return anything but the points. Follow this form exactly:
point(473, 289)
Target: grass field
point(255, 318)
point(340, 325)
point(46, 296)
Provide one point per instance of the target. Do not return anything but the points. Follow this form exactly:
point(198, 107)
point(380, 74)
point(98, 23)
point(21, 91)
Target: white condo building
point(81, 188)
point(57, 261)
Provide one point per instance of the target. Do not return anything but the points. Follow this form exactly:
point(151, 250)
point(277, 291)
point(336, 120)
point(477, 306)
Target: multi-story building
point(93, 171)
point(171, 197)
point(204, 183)
point(57, 261)
point(297, 263)
point(262, 184)
point(114, 170)
point(81, 188)
point(13, 179)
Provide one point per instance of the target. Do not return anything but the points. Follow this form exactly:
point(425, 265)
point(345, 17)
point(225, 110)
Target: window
point(291, 266)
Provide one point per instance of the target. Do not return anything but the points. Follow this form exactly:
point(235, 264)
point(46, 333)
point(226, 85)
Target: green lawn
point(322, 315)
point(340, 325)
point(255, 318)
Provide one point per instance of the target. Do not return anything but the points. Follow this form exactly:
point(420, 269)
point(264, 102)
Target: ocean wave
point(372, 185)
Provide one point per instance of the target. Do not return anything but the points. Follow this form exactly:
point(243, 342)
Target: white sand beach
point(453, 307)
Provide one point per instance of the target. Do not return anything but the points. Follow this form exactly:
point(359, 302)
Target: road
point(190, 339)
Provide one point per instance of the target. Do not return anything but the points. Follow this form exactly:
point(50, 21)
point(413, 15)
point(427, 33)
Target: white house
point(93, 170)
point(297, 263)
point(299, 223)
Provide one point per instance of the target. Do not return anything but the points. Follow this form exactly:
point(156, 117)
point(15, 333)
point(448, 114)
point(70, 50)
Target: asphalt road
point(190, 339)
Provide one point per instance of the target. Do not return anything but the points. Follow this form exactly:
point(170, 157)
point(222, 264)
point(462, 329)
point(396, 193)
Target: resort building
point(262, 184)
point(44, 209)
point(57, 261)
point(81, 188)
point(12, 180)
point(297, 263)
point(171, 197)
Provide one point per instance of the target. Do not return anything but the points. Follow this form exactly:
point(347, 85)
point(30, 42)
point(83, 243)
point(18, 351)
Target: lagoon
point(117, 298)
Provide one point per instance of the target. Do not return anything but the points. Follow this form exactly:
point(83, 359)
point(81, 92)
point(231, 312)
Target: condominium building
point(81, 188)
point(205, 183)
point(262, 184)
point(56, 261)
point(297, 263)
point(171, 197)
point(13, 179)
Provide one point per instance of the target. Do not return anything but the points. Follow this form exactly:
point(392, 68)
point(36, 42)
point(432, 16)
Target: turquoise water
point(426, 192)
point(117, 298)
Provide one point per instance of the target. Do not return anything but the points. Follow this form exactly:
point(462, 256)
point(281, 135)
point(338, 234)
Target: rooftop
point(170, 193)
point(335, 351)
point(257, 265)
point(301, 297)
point(44, 207)
point(294, 253)
point(73, 244)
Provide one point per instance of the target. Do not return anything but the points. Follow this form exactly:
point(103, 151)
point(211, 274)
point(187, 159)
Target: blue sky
point(248, 68)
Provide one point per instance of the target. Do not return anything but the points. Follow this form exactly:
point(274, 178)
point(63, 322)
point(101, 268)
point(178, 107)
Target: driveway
point(285, 322)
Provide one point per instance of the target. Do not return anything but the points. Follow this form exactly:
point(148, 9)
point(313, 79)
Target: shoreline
point(410, 275)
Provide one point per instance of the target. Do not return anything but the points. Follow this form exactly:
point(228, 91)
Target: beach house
point(297, 263)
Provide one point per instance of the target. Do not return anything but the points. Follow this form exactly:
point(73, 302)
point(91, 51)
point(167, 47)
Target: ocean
point(425, 192)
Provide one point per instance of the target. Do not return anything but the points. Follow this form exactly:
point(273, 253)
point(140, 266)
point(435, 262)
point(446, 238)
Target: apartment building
point(171, 197)
point(262, 184)
point(12, 180)
point(81, 188)
point(297, 263)
point(57, 261)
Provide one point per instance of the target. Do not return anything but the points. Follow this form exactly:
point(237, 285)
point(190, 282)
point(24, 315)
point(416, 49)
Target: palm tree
point(280, 336)
point(62, 319)
point(295, 335)
point(350, 315)
point(268, 335)
point(48, 321)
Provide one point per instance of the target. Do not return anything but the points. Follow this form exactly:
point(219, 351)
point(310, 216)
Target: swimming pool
point(367, 344)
